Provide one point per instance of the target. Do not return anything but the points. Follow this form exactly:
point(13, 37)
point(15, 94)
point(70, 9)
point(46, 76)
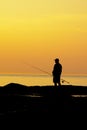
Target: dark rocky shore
point(19, 102)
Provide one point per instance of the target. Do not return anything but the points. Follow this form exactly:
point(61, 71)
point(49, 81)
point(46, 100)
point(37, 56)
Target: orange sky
point(36, 32)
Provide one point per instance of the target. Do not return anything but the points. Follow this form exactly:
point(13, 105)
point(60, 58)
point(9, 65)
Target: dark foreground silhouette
point(34, 103)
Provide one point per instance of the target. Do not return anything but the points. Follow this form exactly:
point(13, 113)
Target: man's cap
point(56, 59)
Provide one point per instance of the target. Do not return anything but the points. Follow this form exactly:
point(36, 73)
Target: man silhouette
point(57, 70)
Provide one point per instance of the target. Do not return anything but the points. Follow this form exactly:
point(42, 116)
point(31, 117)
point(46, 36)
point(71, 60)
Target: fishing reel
point(63, 81)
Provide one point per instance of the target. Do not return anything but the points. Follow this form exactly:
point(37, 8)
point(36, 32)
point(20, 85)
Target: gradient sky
point(35, 32)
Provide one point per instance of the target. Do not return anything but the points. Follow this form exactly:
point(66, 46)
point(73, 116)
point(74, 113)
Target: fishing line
point(37, 68)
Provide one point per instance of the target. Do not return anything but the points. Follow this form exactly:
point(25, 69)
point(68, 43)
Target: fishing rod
point(44, 71)
point(37, 68)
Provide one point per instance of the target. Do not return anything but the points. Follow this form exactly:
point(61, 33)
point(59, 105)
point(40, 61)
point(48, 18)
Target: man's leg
point(55, 84)
point(59, 84)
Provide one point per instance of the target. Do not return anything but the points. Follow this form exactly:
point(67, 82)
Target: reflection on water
point(79, 95)
point(32, 95)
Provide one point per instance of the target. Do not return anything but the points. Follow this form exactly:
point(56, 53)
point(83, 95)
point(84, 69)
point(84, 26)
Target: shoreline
point(20, 88)
point(18, 101)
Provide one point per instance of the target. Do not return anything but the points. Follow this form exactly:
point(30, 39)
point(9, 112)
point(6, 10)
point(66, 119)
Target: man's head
point(56, 60)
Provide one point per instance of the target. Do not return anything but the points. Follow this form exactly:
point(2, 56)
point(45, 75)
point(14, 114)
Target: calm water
point(41, 80)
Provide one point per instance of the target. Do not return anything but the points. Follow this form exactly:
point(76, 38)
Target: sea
point(41, 80)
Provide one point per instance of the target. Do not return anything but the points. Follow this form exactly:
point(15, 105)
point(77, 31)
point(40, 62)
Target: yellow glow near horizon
point(38, 31)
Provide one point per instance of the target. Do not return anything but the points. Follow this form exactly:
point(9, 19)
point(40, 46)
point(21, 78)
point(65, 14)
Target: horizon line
point(26, 74)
